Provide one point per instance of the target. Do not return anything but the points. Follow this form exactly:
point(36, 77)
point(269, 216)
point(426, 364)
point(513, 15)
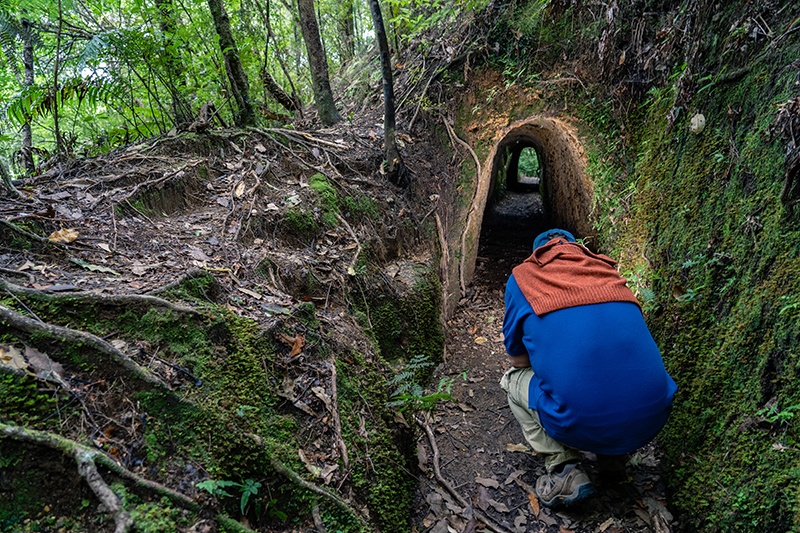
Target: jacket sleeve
point(517, 310)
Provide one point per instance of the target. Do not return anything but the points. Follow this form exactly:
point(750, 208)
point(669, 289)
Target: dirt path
point(482, 453)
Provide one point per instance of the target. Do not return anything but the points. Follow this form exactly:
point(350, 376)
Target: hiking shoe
point(569, 486)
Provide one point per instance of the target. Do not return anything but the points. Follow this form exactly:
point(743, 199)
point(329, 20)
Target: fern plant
point(409, 395)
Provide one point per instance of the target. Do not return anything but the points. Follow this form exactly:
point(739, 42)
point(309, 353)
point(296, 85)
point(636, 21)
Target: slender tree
point(321, 86)
point(291, 103)
point(245, 116)
point(394, 166)
point(27, 82)
point(57, 65)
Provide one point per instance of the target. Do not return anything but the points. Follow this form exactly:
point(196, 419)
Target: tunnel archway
point(515, 209)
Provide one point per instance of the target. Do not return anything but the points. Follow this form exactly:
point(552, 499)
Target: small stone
point(698, 123)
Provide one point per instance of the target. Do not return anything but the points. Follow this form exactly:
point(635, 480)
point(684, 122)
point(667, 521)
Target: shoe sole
point(584, 492)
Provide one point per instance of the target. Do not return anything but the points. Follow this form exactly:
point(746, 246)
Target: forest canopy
point(83, 77)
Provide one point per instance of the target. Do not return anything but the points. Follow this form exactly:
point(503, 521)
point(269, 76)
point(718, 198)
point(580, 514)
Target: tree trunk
point(277, 91)
point(27, 61)
point(290, 102)
point(323, 96)
point(56, 128)
point(394, 166)
point(172, 63)
point(245, 116)
point(346, 26)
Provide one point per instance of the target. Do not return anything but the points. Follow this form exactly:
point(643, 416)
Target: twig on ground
point(337, 423)
point(316, 489)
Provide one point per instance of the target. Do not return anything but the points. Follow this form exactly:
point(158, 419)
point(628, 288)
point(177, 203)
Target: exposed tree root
point(91, 297)
point(32, 236)
point(293, 476)
point(79, 338)
point(88, 471)
point(87, 460)
point(471, 213)
point(448, 486)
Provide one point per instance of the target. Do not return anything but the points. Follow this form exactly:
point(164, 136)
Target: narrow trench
point(534, 179)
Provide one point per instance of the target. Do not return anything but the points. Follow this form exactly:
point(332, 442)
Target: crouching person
point(586, 373)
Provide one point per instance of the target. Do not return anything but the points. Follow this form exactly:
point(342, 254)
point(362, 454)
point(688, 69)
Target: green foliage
point(217, 488)
point(409, 395)
point(529, 162)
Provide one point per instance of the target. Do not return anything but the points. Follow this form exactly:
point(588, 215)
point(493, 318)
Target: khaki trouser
point(515, 382)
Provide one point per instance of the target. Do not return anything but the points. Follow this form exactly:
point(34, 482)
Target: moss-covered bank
point(701, 218)
point(234, 404)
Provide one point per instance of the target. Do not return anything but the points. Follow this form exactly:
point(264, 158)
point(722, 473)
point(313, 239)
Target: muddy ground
point(482, 453)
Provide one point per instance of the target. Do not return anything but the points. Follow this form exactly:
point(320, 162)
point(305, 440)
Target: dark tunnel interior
point(515, 211)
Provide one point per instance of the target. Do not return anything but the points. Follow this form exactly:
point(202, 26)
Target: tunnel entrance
point(533, 178)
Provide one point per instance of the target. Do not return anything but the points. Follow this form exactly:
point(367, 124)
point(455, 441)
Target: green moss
point(300, 222)
point(406, 325)
point(380, 468)
point(24, 401)
point(722, 267)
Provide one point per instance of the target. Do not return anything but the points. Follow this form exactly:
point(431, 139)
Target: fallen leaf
point(562, 529)
point(481, 340)
point(534, 504)
point(500, 507)
point(238, 192)
point(483, 499)
point(197, 253)
point(327, 472)
point(103, 246)
point(63, 235)
point(487, 482)
point(12, 358)
point(297, 345)
point(520, 522)
point(320, 393)
point(514, 475)
point(94, 268)
point(607, 524)
point(516, 447)
point(41, 363)
point(248, 292)
point(311, 467)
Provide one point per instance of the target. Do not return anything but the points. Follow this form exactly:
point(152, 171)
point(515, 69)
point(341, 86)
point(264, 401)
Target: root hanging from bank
point(32, 327)
point(118, 300)
point(88, 459)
